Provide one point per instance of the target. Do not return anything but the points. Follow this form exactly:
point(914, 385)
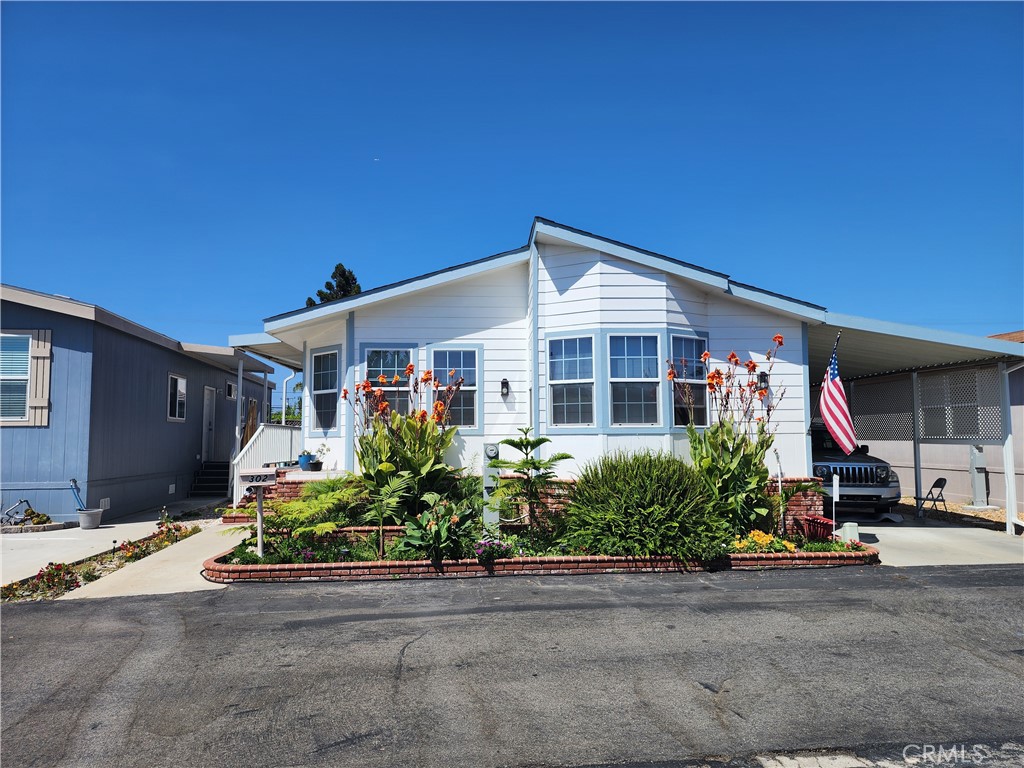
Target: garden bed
point(218, 570)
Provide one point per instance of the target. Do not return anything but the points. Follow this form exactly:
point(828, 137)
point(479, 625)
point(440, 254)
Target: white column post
point(915, 420)
point(1008, 457)
point(238, 409)
point(264, 416)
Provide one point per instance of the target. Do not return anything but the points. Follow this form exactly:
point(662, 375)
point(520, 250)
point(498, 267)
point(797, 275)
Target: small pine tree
point(532, 474)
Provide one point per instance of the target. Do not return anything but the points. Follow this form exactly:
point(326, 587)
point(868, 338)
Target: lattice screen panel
point(961, 405)
point(883, 410)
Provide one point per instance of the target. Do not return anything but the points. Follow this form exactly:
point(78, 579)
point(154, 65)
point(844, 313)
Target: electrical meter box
point(490, 476)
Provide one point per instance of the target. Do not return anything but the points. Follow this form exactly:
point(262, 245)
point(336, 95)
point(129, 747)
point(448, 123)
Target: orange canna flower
point(455, 519)
point(409, 369)
point(671, 374)
point(761, 393)
point(451, 374)
point(395, 379)
point(777, 338)
point(751, 366)
point(705, 356)
point(379, 393)
point(382, 379)
point(423, 417)
point(367, 386)
point(344, 394)
point(383, 407)
point(733, 358)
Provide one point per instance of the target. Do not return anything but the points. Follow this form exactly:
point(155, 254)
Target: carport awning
point(269, 348)
point(875, 347)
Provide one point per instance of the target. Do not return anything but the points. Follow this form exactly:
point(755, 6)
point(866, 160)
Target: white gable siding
point(591, 293)
point(487, 313)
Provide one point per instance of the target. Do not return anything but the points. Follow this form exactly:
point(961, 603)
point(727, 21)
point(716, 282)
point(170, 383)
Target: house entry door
point(209, 421)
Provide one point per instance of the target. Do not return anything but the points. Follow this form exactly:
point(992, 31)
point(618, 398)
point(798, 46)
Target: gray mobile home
point(132, 415)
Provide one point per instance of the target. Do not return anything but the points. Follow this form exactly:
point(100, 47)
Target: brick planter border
point(223, 573)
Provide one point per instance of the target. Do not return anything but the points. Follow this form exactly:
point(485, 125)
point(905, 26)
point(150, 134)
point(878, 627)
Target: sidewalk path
point(174, 569)
point(25, 553)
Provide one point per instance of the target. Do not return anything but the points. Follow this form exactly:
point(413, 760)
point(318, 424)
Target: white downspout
point(284, 396)
point(1008, 458)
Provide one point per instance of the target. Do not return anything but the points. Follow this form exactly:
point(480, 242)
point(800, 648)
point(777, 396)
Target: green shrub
point(643, 504)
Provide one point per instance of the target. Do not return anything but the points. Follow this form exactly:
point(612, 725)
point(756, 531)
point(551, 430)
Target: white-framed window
point(448, 366)
point(177, 389)
point(634, 375)
point(692, 374)
point(25, 378)
point(324, 390)
point(15, 350)
point(382, 368)
point(571, 380)
point(230, 390)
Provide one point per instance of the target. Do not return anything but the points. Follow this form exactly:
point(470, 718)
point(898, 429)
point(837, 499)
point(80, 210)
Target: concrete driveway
point(923, 541)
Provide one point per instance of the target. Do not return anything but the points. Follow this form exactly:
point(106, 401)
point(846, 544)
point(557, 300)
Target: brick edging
point(224, 573)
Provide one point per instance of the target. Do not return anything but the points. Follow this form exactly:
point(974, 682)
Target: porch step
point(211, 480)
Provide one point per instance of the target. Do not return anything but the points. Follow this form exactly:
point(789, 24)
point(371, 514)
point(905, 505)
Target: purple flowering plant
point(489, 550)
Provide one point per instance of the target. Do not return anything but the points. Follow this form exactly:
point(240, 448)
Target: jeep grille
point(856, 474)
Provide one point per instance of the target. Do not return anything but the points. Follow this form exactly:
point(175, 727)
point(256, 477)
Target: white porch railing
point(271, 443)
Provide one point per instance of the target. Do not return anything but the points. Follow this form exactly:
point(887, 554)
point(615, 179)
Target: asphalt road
point(573, 671)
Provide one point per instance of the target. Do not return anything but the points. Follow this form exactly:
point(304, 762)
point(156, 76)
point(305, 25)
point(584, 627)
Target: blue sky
point(197, 167)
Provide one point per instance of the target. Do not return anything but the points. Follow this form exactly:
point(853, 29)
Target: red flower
point(344, 394)
point(382, 379)
point(427, 376)
point(409, 369)
point(751, 366)
point(705, 356)
point(733, 358)
point(383, 407)
point(395, 380)
point(367, 386)
point(777, 338)
point(671, 374)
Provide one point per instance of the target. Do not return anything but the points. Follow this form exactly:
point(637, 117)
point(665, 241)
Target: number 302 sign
point(257, 477)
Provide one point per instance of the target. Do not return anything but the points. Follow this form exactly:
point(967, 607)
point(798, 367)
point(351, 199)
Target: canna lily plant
point(730, 453)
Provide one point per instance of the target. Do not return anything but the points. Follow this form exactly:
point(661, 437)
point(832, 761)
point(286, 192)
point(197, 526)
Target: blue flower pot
point(305, 461)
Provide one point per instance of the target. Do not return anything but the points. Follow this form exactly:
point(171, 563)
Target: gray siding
point(38, 462)
point(139, 458)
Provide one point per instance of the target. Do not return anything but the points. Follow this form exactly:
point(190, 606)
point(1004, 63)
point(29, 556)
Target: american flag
point(834, 409)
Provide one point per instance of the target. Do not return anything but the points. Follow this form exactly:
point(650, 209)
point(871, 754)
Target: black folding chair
point(934, 495)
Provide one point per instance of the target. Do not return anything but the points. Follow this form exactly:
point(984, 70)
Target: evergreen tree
point(343, 283)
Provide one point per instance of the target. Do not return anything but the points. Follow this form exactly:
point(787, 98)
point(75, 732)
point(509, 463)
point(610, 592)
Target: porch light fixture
point(762, 380)
point(504, 388)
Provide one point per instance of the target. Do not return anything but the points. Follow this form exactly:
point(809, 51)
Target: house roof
point(870, 347)
point(226, 358)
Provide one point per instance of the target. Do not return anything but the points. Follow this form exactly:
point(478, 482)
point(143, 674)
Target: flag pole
point(835, 477)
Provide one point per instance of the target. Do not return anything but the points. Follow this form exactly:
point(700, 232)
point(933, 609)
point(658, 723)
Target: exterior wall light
point(504, 387)
point(762, 380)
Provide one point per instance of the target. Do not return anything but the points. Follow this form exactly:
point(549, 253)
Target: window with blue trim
point(689, 388)
point(385, 369)
point(633, 370)
point(449, 365)
point(571, 380)
point(325, 390)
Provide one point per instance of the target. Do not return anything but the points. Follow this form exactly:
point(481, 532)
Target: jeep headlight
point(882, 474)
point(824, 471)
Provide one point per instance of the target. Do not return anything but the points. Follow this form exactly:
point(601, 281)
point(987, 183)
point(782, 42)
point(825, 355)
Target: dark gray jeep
point(864, 481)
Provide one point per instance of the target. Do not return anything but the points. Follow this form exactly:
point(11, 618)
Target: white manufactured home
point(570, 335)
